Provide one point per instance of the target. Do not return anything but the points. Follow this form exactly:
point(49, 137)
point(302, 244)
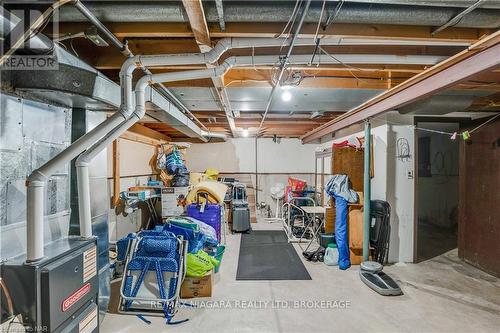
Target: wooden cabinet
point(350, 161)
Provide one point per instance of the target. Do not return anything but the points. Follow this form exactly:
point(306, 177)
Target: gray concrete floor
point(440, 295)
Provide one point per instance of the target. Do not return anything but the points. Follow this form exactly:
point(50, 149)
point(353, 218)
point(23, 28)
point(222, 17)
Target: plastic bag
point(200, 263)
point(297, 185)
point(161, 161)
point(206, 229)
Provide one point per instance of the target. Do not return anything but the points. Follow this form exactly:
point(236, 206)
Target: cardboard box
point(172, 200)
point(197, 286)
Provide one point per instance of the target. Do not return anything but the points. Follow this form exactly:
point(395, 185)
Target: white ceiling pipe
point(385, 59)
point(82, 171)
point(82, 162)
point(127, 102)
point(226, 44)
point(236, 61)
point(38, 178)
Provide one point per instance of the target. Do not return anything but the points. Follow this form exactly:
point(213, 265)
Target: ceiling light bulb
point(245, 133)
point(286, 96)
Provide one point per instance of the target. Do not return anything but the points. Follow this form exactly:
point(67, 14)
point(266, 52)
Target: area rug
point(267, 255)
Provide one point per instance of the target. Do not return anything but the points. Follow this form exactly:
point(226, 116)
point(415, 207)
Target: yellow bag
point(212, 173)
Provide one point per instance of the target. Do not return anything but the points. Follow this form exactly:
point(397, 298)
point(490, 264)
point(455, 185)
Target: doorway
point(437, 189)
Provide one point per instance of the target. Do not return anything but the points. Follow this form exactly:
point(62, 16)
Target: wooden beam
point(141, 139)
point(271, 29)
point(482, 56)
point(194, 9)
point(198, 23)
point(116, 173)
point(204, 115)
point(148, 133)
point(358, 82)
point(282, 123)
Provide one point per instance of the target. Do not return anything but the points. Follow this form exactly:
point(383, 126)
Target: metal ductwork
point(439, 105)
point(355, 12)
point(166, 112)
point(75, 84)
point(78, 85)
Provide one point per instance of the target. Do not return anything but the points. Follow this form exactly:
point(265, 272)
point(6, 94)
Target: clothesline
point(453, 135)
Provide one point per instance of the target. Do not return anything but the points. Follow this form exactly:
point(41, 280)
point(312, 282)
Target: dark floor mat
point(267, 255)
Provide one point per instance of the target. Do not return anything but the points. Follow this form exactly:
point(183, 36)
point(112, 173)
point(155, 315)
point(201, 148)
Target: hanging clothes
point(339, 185)
point(338, 188)
point(341, 236)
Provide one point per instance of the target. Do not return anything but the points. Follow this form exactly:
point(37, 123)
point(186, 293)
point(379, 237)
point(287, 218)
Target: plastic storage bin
point(325, 239)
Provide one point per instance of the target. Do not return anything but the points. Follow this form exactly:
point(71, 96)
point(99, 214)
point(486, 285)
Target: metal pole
point(367, 192)
point(256, 174)
point(284, 64)
point(98, 24)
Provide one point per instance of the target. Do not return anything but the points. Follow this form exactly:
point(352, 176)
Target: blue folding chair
point(154, 269)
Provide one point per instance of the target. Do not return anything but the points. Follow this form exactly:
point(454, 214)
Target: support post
point(367, 192)
point(116, 173)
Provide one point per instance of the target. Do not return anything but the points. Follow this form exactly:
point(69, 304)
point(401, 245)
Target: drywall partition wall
point(400, 185)
point(275, 161)
point(134, 159)
point(288, 156)
point(391, 181)
point(238, 156)
point(24, 146)
point(135, 170)
point(232, 156)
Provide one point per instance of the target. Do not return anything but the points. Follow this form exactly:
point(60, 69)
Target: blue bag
point(209, 213)
point(174, 163)
point(196, 240)
point(341, 237)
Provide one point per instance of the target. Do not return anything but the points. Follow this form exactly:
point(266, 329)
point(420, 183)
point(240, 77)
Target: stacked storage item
point(206, 212)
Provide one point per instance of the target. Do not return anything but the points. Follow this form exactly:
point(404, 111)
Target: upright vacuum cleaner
point(371, 271)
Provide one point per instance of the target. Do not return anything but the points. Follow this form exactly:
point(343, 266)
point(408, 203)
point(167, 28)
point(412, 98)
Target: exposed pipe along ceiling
point(37, 179)
point(303, 70)
point(119, 119)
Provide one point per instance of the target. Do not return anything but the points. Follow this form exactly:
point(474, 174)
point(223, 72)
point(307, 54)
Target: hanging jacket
point(339, 185)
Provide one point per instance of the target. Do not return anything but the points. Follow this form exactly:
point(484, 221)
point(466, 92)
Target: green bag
point(199, 264)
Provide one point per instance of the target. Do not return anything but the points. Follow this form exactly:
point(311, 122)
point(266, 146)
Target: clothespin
point(454, 136)
point(466, 135)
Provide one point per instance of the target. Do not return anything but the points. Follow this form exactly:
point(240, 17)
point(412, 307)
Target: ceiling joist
point(271, 29)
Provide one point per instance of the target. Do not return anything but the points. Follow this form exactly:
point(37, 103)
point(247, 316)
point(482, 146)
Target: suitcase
point(239, 209)
point(209, 213)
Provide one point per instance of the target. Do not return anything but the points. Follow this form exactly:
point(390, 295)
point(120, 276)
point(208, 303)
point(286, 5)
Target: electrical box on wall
point(58, 293)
